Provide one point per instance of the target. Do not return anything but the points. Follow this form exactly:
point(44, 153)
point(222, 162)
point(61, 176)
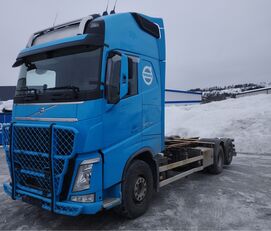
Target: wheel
point(137, 190)
point(228, 152)
point(217, 166)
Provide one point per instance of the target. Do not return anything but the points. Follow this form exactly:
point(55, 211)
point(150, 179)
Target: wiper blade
point(74, 89)
point(29, 92)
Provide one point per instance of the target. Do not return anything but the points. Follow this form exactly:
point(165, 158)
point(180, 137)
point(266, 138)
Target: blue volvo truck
point(87, 131)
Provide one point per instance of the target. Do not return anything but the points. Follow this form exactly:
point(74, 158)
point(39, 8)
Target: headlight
point(82, 181)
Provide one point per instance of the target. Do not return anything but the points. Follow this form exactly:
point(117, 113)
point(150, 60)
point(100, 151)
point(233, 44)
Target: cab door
point(123, 113)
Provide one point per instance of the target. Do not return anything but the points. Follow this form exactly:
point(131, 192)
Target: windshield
point(59, 76)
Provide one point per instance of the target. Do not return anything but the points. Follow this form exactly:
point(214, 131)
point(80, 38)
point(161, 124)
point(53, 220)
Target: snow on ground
point(232, 91)
point(246, 119)
point(7, 105)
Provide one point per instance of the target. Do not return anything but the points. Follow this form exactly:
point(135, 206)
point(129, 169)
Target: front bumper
point(65, 207)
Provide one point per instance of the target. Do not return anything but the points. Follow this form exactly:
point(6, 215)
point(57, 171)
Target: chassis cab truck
point(87, 130)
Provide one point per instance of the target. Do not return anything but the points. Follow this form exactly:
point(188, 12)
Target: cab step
point(111, 202)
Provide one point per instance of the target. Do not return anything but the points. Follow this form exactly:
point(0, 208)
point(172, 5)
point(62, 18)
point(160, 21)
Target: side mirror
point(116, 77)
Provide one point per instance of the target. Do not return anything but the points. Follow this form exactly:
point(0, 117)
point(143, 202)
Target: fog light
point(84, 198)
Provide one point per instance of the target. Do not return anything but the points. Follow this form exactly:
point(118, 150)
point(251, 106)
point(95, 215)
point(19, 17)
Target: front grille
point(31, 139)
point(31, 149)
point(37, 139)
point(64, 141)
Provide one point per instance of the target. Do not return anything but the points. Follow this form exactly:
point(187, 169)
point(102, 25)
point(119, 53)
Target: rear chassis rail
point(183, 157)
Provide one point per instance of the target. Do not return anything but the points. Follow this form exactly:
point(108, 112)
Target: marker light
point(84, 198)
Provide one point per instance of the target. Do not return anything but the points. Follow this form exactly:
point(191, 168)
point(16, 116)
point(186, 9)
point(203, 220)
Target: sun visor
point(18, 62)
point(89, 31)
point(79, 40)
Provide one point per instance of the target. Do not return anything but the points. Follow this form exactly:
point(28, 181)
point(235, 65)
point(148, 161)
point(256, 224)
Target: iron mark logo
point(42, 110)
point(147, 75)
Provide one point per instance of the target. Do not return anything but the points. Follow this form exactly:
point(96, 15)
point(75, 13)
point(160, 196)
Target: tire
point(137, 190)
point(228, 153)
point(217, 166)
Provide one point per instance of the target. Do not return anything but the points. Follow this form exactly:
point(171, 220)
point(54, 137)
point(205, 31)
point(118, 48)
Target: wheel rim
point(140, 189)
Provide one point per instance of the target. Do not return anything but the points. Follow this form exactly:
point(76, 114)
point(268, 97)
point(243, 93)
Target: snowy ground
point(247, 120)
point(7, 105)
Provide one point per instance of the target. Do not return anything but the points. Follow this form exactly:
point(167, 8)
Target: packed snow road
point(239, 198)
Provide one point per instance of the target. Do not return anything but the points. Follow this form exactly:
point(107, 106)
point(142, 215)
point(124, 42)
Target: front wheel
point(137, 190)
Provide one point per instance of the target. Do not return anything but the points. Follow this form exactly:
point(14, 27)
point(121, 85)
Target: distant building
point(183, 97)
point(7, 92)
point(266, 90)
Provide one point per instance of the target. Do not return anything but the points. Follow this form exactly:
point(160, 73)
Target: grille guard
point(38, 158)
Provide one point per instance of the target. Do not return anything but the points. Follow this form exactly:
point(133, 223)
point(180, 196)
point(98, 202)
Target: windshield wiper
point(28, 91)
point(74, 89)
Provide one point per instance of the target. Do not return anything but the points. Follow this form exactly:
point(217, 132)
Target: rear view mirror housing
point(116, 77)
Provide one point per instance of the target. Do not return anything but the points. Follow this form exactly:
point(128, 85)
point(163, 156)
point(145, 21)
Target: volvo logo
point(147, 75)
point(42, 110)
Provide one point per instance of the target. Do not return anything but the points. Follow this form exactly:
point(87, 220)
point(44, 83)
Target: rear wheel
point(228, 152)
point(137, 190)
point(218, 164)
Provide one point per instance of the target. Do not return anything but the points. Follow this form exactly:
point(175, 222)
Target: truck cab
point(87, 130)
point(89, 99)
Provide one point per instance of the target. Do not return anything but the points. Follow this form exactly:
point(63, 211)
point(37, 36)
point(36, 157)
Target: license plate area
point(32, 201)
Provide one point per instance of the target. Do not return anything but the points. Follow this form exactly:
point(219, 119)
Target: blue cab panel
point(63, 125)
